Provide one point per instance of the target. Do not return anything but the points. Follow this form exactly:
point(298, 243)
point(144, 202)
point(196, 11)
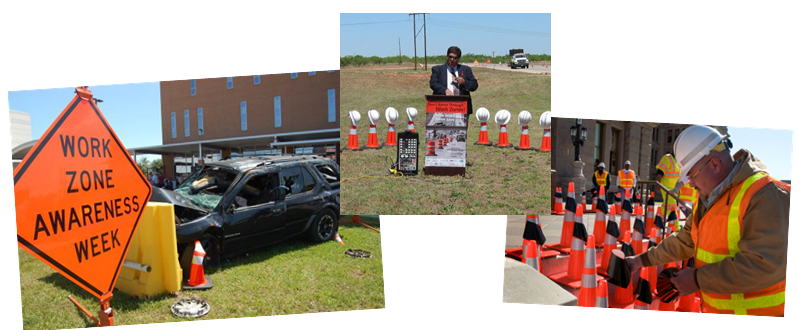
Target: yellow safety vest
point(671, 169)
point(601, 180)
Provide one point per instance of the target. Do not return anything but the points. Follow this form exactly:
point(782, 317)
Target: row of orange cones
point(373, 140)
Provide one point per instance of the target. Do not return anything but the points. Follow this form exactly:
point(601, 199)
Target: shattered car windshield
point(207, 187)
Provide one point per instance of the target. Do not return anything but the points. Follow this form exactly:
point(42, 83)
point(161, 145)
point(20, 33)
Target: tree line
point(359, 60)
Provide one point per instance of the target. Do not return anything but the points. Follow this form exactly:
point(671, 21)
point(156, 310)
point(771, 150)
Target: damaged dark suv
point(237, 205)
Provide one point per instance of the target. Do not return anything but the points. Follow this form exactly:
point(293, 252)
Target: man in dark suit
point(453, 78)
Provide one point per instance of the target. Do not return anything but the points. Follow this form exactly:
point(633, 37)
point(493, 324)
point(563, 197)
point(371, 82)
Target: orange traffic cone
point(626, 213)
point(482, 116)
point(587, 294)
point(594, 204)
point(545, 144)
point(445, 141)
point(672, 218)
point(697, 305)
point(610, 241)
point(578, 238)
point(504, 141)
point(601, 296)
point(197, 279)
point(440, 143)
point(338, 239)
point(431, 148)
point(532, 254)
point(618, 203)
point(558, 207)
point(644, 298)
point(623, 296)
point(373, 142)
point(650, 213)
point(599, 224)
point(353, 145)
point(638, 231)
point(570, 210)
point(390, 140)
point(524, 143)
point(653, 271)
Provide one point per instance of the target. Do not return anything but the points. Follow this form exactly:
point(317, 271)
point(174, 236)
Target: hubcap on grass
point(191, 307)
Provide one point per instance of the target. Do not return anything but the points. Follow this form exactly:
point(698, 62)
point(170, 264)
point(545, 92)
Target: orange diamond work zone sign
point(79, 197)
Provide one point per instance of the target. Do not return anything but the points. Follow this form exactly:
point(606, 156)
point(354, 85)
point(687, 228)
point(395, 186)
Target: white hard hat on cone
point(694, 143)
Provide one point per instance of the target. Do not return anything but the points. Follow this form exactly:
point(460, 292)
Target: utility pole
point(425, 42)
point(415, 52)
point(400, 50)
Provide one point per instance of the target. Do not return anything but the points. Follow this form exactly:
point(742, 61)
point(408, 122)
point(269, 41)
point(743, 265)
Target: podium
point(446, 134)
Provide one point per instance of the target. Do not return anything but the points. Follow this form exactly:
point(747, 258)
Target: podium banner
point(446, 127)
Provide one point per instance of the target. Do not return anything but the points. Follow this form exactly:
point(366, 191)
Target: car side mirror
point(280, 193)
point(232, 208)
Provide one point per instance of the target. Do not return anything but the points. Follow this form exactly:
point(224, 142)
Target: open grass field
point(288, 278)
point(497, 181)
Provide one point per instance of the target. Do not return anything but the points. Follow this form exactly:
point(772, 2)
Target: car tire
point(324, 226)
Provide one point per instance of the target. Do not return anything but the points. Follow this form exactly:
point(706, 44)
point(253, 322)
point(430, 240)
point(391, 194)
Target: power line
point(489, 29)
point(381, 22)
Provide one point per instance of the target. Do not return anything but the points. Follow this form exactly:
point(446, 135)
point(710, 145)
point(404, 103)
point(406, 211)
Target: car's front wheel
point(324, 226)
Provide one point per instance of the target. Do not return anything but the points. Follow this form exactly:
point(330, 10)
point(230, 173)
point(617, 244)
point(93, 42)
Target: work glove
point(634, 263)
point(685, 281)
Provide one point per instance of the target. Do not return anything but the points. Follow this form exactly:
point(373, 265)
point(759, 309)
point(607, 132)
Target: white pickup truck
point(519, 61)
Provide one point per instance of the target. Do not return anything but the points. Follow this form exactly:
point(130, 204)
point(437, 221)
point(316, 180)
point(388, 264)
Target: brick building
point(215, 118)
point(613, 143)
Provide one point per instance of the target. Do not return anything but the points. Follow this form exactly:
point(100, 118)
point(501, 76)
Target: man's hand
point(634, 263)
point(449, 92)
point(460, 80)
point(684, 281)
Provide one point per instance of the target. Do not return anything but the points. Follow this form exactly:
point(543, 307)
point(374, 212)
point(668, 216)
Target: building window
point(278, 118)
point(229, 82)
point(294, 75)
point(186, 123)
point(243, 115)
point(330, 71)
point(597, 152)
point(256, 80)
point(193, 87)
point(670, 135)
point(200, 123)
point(174, 125)
point(331, 111)
point(676, 134)
point(311, 73)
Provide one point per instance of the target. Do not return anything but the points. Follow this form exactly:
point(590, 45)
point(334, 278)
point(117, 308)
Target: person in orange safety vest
point(737, 232)
point(626, 179)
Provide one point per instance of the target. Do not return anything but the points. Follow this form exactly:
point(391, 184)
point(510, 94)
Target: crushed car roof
point(244, 163)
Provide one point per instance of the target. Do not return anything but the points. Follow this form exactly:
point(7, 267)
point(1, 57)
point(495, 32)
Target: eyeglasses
point(453, 57)
point(692, 177)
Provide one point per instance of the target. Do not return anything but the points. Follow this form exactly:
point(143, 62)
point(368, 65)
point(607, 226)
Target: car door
point(251, 221)
point(302, 200)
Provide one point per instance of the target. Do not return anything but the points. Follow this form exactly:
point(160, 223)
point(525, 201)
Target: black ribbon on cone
point(618, 271)
point(666, 291)
point(659, 223)
point(602, 206)
point(643, 291)
point(650, 201)
point(627, 249)
point(626, 206)
point(612, 229)
point(580, 231)
point(533, 232)
point(639, 226)
point(672, 216)
point(570, 205)
point(557, 194)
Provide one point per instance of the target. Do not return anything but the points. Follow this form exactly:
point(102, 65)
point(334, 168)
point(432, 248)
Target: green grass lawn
point(497, 181)
point(289, 278)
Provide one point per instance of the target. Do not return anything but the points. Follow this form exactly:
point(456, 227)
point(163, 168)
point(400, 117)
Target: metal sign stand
point(105, 318)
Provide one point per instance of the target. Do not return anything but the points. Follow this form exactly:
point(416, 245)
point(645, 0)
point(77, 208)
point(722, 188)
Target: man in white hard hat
point(737, 232)
point(601, 178)
point(626, 179)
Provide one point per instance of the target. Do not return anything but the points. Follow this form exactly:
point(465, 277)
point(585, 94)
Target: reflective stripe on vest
point(601, 180)
point(669, 167)
point(688, 194)
point(627, 179)
point(738, 303)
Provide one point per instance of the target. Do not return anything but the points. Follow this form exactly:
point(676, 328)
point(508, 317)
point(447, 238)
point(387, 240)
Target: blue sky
point(473, 33)
point(772, 146)
point(132, 110)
